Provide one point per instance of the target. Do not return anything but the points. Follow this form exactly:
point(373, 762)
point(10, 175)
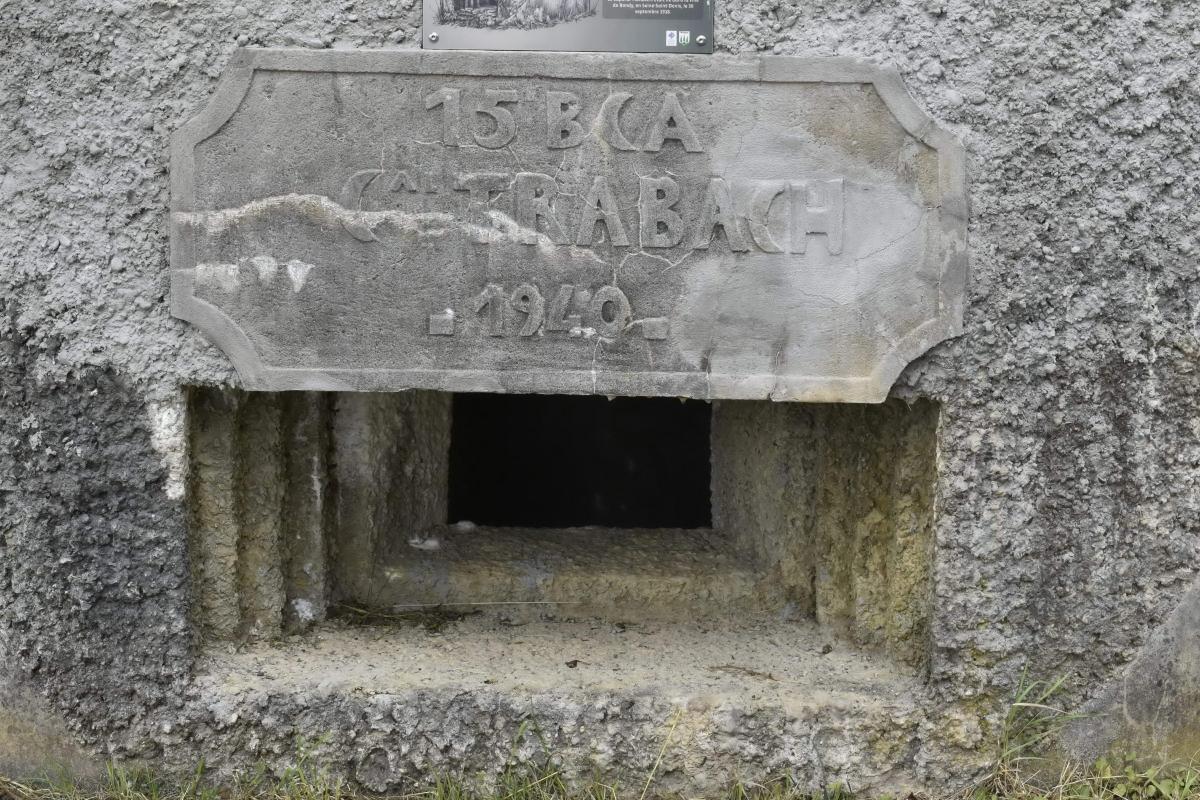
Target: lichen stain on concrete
point(298, 272)
point(840, 501)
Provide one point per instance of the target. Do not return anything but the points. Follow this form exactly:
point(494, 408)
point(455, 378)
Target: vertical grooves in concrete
point(306, 507)
point(260, 476)
point(302, 499)
point(214, 525)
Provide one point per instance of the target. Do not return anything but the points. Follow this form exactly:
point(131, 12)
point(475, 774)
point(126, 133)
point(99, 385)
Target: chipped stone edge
point(255, 375)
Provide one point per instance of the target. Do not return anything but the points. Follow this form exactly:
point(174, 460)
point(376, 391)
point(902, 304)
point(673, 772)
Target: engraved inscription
point(561, 318)
point(609, 313)
point(527, 300)
point(745, 228)
point(563, 127)
point(740, 211)
point(490, 305)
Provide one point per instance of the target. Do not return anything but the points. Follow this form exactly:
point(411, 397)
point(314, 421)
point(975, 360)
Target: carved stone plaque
point(527, 222)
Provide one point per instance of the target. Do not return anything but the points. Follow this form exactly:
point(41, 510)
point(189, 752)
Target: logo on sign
point(672, 37)
point(685, 38)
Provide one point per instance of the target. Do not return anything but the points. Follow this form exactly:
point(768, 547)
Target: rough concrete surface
point(30, 735)
point(1154, 709)
point(1068, 448)
point(724, 687)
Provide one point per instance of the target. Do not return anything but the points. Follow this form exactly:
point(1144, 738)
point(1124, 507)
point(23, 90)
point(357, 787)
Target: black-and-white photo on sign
point(630, 26)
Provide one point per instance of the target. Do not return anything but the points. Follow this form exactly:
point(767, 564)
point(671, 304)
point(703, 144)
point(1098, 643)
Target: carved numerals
point(489, 303)
point(610, 311)
point(527, 300)
point(450, 101)
point(523, 311)
point(561, 318)
point(505, 123)
point(492, 104)
point(563, 126)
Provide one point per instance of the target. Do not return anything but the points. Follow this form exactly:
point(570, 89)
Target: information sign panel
point(627, 26)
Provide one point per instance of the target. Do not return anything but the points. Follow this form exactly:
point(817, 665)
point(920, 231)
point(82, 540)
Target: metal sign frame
point(617, 26)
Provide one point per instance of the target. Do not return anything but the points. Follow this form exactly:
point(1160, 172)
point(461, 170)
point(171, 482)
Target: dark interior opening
point(552, 461)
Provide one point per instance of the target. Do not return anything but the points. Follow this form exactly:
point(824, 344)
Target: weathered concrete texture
point(1154, 707)
point(836, 504)
point(259, 491)
point(93, 573)
point(1068, 452)
point(737, 695)
point(821, 512)
point(35, 744)
point(391, 460)
point(214, 522)
point(307, 508)
point(618, 575)
point(260, 510)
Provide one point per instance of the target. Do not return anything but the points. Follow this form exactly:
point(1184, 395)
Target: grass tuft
point(1026, 766)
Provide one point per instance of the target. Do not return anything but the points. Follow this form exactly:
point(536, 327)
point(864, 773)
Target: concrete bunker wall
point(1066, 467)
